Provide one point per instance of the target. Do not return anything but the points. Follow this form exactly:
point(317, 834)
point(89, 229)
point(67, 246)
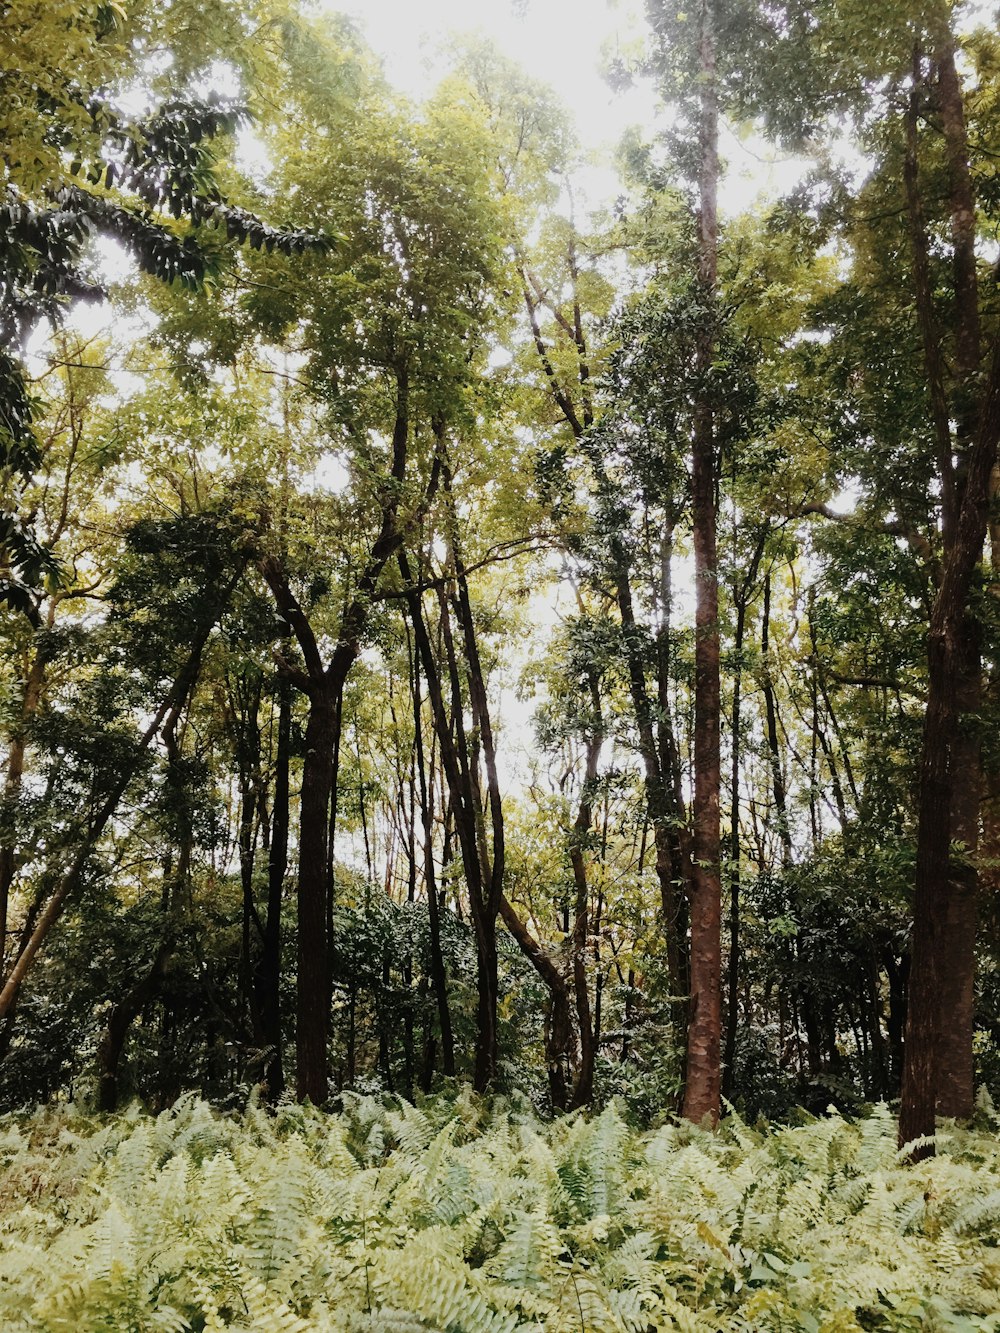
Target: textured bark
point(956, 1067)
point(934, 944)
point(703, 1082)
point(312, 1018)
point(937, 1071)
point(956, 1090)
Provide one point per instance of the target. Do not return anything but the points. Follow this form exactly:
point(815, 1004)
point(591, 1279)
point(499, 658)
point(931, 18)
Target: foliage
point(79, 168)
point(462, 1215)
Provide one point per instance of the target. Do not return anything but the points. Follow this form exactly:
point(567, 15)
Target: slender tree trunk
point(559, 1031)
point(703, 1083)
point(732, 995)
point(267, 981)
point(467, 808)
point(771, 715)
point(33, 688)
point(666, 813)
point(741, 597)
point(439, 978)
point(584, 1085)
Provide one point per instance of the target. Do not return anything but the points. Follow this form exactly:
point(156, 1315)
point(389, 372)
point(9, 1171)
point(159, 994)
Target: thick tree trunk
point(927, 1024)
point(703, 1082)
point(312, 1018)
point(938, 1058)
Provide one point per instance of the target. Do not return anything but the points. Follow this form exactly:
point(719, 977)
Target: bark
point(938, 1069)
point(732, 995)
point(934, 945)
point(703, 1082)
point(956, 1090)
point(771, 716)
point(33, 689)
point(439, 979)
point(559, 1040)
point(584, 1084)
point(481, 888)
point(663, 801)
point(467, 815)
point(312, 1020)
point(661, 763)
point(323, 683)
point(120, 1020)
point(267, 977)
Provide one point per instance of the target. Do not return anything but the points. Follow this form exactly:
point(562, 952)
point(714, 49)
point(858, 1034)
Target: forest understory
point(471, 1215)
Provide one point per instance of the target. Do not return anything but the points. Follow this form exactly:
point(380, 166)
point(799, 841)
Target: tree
point(78, 168)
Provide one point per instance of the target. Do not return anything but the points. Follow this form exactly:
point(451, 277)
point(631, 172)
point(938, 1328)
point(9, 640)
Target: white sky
point(563, 43)
point(558, 41)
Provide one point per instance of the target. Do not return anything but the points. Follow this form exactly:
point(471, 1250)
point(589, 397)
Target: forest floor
point(470, 1217)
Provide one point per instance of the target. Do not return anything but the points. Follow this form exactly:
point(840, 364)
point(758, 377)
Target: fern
point(459, 1216)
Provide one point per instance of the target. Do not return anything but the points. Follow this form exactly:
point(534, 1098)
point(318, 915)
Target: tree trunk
point(33, 687)
point(732, 995)
point(703, 1082)
point(934, 946)
point(267, 980)
point(584, 1085)
point(771, 716)
point(439, 978)
point(122, 1016)
point(956, 1093)
point(467, 808)
point(939, 1014)
point(312, 1018)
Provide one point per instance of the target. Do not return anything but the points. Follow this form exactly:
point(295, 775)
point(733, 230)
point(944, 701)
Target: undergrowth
point(466, 1218)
